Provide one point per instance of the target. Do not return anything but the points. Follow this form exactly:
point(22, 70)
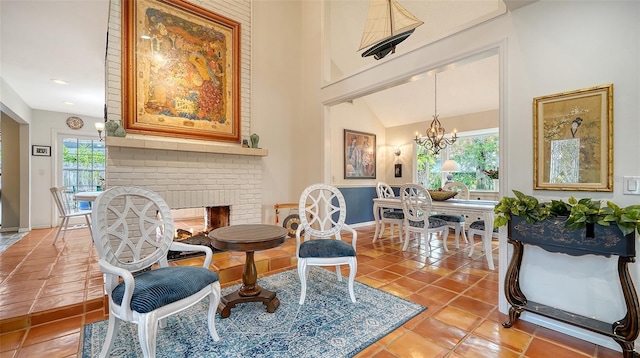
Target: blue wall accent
point(359, 203)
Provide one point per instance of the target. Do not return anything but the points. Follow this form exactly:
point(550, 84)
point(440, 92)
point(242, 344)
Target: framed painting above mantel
point(181, 73)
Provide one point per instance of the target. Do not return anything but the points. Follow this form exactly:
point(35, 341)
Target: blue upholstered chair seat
point(450, 217)
point(396, 214)
point(479, 225)
point(433, 222)
point(160, 287)
point(326, 248)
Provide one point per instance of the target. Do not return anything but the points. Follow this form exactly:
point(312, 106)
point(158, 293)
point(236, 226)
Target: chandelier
point(435, 139)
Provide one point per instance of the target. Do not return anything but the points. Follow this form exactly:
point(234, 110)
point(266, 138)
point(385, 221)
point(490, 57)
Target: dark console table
point(574, 242)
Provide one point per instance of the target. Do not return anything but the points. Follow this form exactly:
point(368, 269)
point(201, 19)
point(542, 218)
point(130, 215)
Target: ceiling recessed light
point(68, 103)
point(60, 82)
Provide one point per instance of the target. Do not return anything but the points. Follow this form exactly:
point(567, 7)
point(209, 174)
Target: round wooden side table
point(248, 238)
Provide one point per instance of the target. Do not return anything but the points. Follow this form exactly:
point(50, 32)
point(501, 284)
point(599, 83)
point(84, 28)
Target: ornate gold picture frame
point(573, 140)
point(181, 71)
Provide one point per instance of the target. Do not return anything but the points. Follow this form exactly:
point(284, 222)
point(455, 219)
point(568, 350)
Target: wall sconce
point(397, 152)
point(100, 128)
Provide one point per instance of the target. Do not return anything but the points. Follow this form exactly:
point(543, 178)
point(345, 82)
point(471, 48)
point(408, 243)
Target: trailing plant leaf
point(579, 212)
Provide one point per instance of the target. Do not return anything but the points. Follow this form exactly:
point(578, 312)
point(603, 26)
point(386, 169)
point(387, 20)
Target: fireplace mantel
point(181, 145)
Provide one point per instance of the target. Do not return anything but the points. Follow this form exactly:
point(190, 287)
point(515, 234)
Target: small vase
point(496, 184)
point(254, 140)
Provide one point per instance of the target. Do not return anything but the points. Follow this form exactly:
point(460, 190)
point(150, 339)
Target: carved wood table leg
point(626, 330)
point(514, 295)
point(249, 292)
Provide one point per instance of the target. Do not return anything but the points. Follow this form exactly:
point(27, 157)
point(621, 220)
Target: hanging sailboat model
point(388, 24)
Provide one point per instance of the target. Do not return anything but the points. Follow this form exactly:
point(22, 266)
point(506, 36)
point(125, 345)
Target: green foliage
point(579, 213)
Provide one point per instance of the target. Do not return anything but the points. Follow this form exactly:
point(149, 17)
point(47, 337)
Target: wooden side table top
point(248, 237)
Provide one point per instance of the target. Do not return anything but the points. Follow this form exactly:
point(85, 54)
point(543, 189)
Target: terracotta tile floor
point(47, 294)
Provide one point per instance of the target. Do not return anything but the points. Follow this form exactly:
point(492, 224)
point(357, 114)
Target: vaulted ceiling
point(46, 40)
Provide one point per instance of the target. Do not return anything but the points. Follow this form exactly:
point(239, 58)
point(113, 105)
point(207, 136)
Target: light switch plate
point(631, 185)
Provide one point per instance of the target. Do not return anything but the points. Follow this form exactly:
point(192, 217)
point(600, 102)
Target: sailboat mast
point(390, 8)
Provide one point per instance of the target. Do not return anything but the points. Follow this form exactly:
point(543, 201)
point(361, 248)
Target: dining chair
point(456, 221)
point(477, 228)
point(133, 231)
point(416, 205)
point(387, 215)
point(323, 211)
point(67, 211)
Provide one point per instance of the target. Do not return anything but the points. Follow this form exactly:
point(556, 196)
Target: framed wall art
point(573, 140)
point(41, 150)
point(181, 73)
point(359, 155)
point(397, 170)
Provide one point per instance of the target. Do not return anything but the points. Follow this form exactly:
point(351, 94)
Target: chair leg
point(338, 273)
point(444, 233)
point(63, 224)
point(114, 323)
point(214, 301)
point(353, 267)
point(472, 233)
point(302, 273)
point(147, 329)
point(464, 235)
point(406, 240)
point(456, 230)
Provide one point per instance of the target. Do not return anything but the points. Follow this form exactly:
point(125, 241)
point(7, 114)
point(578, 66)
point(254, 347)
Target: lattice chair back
point(384, 190)
point(135, 230)
point(322, 211)
point(416, 202)
point(461, 188)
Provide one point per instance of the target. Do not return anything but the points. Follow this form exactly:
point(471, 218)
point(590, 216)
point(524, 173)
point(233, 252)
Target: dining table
point(89, 196)
point(471, 209)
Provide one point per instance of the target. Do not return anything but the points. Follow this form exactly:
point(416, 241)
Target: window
point(83, 164)
point(474, 154)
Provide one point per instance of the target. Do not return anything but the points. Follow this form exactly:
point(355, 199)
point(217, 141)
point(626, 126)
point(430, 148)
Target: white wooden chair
point(416, 205)
point(391, 216)
point(133, 231)
point(456, 221)
point(323, 211)
point(67, 211)
point(477, 228)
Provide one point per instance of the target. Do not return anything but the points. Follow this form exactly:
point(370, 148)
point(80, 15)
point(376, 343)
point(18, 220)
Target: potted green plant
point(575, 227)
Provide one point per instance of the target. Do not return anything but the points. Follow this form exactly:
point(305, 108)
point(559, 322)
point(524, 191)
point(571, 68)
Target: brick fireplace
point(190, 174)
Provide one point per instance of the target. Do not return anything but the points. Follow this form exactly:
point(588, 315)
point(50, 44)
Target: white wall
point(277, 99)
point(355, 116)
point(547, 47)
point(47, 129)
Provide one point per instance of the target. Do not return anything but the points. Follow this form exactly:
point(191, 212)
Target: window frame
point(445, 154)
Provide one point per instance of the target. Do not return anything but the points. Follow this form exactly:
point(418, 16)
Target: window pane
point(474, 155)
point(83, 164)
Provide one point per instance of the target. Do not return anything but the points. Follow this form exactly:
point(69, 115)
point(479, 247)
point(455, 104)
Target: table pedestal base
point(268, 298)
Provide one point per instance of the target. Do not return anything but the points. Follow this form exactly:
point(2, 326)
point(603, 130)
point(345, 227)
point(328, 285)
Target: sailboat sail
point(387, 19)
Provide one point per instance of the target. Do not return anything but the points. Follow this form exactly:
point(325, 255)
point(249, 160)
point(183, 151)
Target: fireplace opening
point(214, 217)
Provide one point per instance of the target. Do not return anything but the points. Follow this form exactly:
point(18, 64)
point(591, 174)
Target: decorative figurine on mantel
point(114, 129)
point(245, 143)
point(254, 140)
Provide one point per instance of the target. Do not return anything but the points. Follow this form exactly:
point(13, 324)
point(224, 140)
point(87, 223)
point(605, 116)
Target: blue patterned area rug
point(327, 325)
